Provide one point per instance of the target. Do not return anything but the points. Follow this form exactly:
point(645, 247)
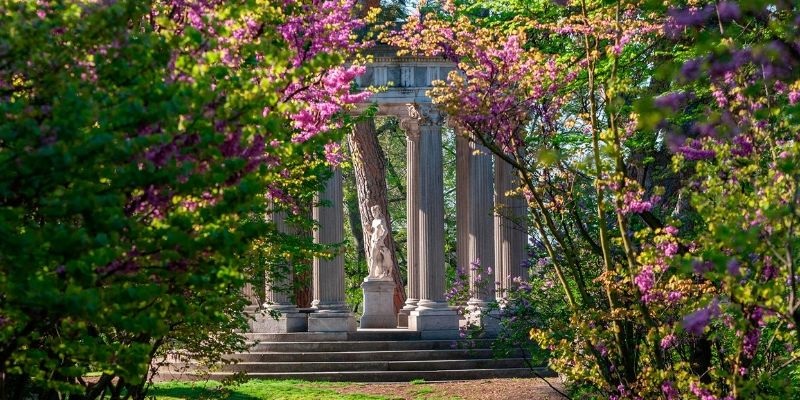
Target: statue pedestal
point(378, 304)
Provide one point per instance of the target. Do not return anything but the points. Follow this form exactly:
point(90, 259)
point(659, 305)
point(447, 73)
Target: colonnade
point(490, 224)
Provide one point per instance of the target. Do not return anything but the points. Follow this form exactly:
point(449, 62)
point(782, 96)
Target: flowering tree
point(673, 292)
point(138, 142)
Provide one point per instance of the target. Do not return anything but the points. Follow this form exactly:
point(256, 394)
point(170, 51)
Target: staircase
point(377, 355)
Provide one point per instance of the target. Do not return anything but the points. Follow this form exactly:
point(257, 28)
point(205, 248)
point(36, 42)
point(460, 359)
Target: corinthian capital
point(410, 126)
point(426, 113)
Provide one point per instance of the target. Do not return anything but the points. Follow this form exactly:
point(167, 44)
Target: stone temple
point(324, 342)
point(497, 237)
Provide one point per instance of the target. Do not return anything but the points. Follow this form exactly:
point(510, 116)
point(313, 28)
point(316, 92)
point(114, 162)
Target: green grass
point(254, 390)
point(423, 390)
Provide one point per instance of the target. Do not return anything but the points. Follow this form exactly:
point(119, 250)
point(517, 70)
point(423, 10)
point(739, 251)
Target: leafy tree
point(138, 142)
point(679, 284)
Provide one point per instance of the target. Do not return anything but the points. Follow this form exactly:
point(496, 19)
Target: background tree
point(369, 167)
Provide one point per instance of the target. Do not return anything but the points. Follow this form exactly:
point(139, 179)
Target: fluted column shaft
point(480, 223)
point(431, 216)
point(462, 201)
point(412, 211)
point(328, 282)
point(510, 221)
point(279, 277)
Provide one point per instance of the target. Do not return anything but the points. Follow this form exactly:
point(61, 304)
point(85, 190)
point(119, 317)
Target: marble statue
point(380, 263)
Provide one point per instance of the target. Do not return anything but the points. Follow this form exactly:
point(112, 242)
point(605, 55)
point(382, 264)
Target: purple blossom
point(688, 17)
point(697, 321)
point(701, 267)
point(690, 70)
point(728, 11)
point(769, 272)
point(602, 349)
point(693, 150)
point(757, 316)
point(743, 146)
point(750, 343)
point(673, 101)
point(734, 267)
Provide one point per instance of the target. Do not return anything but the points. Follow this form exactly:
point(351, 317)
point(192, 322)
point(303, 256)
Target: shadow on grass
point(199, 391)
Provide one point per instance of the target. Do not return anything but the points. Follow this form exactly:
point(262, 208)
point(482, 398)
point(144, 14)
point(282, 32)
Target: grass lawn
point(255, 390)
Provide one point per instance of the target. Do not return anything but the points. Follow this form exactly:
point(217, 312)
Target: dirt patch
point(489, 389)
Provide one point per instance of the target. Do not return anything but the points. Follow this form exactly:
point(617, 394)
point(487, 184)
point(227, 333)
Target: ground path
point(489, 389)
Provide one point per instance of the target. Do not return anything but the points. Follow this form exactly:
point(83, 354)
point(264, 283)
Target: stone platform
point(367, 355)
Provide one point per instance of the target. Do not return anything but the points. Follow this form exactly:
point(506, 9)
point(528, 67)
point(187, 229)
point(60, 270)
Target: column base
point(487, 321)
point(378, 304)
point(331, 322)
point(403, 314)
point(434, 323)
point(287, 322)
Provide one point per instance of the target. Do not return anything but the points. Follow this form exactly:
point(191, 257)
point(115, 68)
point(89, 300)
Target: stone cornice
point(411, 59)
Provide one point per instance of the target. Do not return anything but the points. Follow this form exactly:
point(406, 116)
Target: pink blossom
point(645, 279)
point(674, 297)
point(669, 390)
point(700, 392)
point(333, 153)
point(668, 341)
point(794, 97)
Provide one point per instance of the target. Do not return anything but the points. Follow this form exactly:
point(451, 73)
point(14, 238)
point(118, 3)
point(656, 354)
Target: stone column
point(281, 314)
point(411, 127)
point(432, 317)
point(510, 222)
point(475, 241)
point(481, 232)
point(332, 314)
point(462, 202)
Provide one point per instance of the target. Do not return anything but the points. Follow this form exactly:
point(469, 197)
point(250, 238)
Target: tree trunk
point(369, 166)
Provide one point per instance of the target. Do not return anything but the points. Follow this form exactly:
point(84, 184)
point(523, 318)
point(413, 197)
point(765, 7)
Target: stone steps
point(351, 356)
point(371, 366)
point(383, 345)
point(396, 376)
point(364, 356)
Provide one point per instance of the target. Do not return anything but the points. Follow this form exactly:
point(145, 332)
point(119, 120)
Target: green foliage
point(132, 198)
point(255, 389)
